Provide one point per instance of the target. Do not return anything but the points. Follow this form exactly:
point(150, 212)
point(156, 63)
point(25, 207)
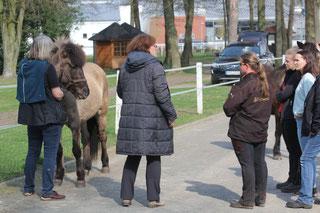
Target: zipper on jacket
point(23, 80)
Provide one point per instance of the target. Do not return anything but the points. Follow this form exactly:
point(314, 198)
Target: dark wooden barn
point(110, 44)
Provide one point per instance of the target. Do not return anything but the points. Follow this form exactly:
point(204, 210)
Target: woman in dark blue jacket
point(39, 93)
point(147, 117)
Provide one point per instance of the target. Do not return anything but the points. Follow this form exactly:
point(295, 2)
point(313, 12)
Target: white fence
point(199, 88)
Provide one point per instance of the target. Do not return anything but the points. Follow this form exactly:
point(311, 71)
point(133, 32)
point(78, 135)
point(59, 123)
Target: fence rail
point(199, 88)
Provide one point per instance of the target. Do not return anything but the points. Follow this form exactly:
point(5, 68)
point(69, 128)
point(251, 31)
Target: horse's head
point(69, 60)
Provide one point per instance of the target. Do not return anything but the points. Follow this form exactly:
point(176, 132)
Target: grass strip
point(13, 142)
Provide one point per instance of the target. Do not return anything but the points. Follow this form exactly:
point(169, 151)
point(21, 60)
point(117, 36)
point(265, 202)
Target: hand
point(171, 123)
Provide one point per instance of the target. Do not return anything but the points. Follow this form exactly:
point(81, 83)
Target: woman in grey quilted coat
point(147, 118)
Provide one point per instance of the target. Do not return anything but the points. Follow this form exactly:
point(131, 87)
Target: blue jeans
point(310, 152)
point(50, 135)
point(303, 140)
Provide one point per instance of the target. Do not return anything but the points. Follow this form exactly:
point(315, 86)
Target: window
point(84, 35)
point(120, 48)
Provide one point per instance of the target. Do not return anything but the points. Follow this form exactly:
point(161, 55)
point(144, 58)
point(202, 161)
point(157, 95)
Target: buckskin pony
point(86, 103)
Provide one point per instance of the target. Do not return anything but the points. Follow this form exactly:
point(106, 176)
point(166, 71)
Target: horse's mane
point(72, 51)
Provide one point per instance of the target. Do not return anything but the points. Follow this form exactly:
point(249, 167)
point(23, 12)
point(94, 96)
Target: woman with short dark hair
point(147, 118)
point(249, 106)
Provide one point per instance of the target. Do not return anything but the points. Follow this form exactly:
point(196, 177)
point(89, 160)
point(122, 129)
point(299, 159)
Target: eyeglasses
point(242, 64)
point(155, 46)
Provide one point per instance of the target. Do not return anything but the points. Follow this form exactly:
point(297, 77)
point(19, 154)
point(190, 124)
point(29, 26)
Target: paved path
point(202, 176)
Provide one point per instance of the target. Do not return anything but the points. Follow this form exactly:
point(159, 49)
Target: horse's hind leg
point(102, 123)
point(60, 170)
point(76, 150)
point(85, 137)
point(276, 147)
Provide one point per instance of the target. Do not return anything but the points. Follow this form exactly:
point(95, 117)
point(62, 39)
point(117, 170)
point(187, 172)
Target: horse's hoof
point(105, 170)
point(277, 157)
point(81, 183)
point(86, 172)
point(57, 182)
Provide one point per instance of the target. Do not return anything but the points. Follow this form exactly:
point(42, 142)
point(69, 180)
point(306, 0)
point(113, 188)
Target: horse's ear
point(300, 45)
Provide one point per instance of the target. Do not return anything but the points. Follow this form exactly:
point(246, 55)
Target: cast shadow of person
point(109, 188)
point(212, 190)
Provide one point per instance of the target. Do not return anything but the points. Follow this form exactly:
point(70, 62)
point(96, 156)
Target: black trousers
point(153, 174)
point(251, 157)
point(289, 132)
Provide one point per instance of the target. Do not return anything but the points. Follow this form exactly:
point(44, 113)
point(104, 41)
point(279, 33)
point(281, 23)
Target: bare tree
point(251, 15)
point(261, 15)
point(316, 21)
point(187, 50)
point(290, 23)
point(310, 27)
point(172, 53)
point(233, 21)
point(135, 20)
point(283, 30)
point(278, 28)
point(11, 16)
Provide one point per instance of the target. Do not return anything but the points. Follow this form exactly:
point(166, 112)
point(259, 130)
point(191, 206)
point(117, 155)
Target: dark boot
point(237, 204)
point(291, 188)
point(280, 185)
point(296, 204)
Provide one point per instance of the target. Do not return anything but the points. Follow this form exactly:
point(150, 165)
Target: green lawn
point(13, 142)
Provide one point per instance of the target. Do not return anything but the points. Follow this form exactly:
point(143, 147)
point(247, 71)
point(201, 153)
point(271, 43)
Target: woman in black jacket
point(249, 106)
point(147, 118)
point(288, 124)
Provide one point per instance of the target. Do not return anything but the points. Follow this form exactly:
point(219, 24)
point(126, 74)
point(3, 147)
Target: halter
point(71, 81)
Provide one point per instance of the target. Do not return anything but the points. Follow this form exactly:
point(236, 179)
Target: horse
point(86, 108)
point(275, 78)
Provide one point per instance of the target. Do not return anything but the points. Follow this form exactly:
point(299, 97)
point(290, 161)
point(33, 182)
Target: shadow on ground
point(109, 188)
point(212, 190)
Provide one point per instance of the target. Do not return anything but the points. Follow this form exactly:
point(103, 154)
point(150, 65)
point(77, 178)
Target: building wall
point(157, 28)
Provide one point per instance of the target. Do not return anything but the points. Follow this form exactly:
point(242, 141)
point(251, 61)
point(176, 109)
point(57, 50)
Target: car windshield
point(239, 50)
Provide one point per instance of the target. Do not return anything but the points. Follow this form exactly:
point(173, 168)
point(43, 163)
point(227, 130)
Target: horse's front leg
point(102, 123)
point(276, 147)
point(85, 138)
point(60, 170)
point(76, 150)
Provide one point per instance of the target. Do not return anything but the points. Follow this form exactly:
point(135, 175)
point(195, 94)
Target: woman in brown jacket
point(249, 106)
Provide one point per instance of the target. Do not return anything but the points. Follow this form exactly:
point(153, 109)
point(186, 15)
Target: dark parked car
point(231, 54)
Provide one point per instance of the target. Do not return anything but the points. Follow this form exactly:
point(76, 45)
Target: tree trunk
point(187, 50)
point(172, 54)
point(225, 21)
point(233, 21)
point(310, 27)
point(316, 21)
point(131, 13)
point(290, 24)
point(261, 15)
point(136, 14)
point(283, 31)
point(11, 29)
point(251, 15)
point(278, 29)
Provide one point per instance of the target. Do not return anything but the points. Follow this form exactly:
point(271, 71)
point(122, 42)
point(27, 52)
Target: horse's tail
point(93, 130)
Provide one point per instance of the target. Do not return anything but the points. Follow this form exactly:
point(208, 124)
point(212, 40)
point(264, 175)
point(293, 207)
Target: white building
point(100, 14)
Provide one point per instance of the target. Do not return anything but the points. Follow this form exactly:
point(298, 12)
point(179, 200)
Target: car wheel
point(214, 80)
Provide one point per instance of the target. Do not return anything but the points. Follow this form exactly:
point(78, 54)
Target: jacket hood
point(137, 60)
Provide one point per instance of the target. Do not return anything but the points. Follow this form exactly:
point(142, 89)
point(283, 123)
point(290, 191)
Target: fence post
point(118, 107)
point(199, 88)
point(283, 59)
